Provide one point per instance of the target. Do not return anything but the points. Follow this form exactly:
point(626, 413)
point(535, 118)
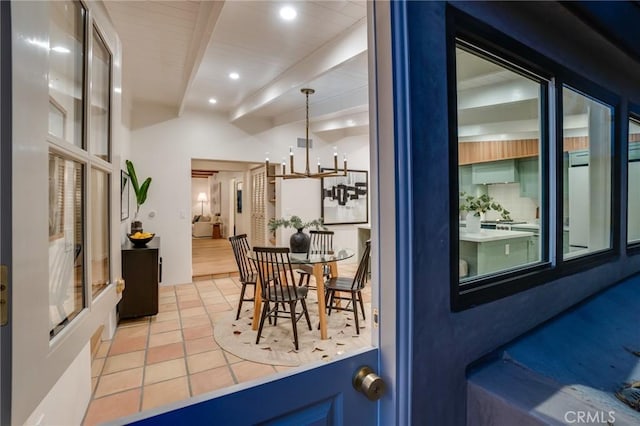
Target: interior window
point(587, 135)
point(633, 224)
point(499, 131)
point(100, 259)
point(66, 252)
point(100, 98)
point(66, 71)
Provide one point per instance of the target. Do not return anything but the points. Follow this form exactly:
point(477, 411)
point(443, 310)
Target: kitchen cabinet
point(579, 158)
point(504, 171)
point(529, 177)
point(634, 151)
point(494, 251)
point(142, 273)
point(534, 241)
point(465, 181)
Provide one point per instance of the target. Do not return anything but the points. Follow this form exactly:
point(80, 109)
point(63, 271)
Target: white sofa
point(202, 227)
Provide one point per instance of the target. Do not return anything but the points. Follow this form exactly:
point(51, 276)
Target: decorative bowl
point(140, 242)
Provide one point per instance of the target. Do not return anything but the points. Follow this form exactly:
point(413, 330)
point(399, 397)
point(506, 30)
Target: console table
point(142, 273)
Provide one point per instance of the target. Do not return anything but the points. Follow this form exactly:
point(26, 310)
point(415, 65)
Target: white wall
point(164, 152)
point(508, 196)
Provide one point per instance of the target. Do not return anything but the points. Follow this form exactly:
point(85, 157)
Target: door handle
point(369, 383)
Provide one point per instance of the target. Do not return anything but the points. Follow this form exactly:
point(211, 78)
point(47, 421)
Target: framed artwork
point(124, 195)
point(239, 197)
point(345, 199)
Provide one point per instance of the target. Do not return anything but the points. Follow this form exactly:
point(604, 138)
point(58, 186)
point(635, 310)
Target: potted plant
point(477, 206)
point(141, 195)
point(299, 242)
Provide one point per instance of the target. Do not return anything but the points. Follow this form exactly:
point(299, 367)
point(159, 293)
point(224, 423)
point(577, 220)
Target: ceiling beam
point(356, 99)
point(208, 14)
point(339, 50)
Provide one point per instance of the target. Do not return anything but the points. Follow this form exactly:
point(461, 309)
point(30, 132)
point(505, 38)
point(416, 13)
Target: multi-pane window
point(499, 140)
point(587, 135)
point(79, 172)
point(633, 211)
point(66, 175)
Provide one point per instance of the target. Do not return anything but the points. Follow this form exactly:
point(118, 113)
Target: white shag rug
point(276, 345)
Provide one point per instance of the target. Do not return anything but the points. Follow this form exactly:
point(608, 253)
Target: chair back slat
point(360, 279)
point(276, 274)
point(320, 242)
point(241, 248)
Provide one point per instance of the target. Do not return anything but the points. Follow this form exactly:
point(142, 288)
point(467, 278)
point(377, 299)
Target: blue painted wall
point(444, 342)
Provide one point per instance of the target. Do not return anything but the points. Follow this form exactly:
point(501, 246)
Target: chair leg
point(306, 312)
point(265, 309)
point(355, 311)
point(361, 305)
point(244, 287)
point(333, 293)
point(275, 317)
point(292, 306)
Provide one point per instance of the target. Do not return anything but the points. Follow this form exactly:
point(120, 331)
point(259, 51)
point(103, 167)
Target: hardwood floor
point(212, 258)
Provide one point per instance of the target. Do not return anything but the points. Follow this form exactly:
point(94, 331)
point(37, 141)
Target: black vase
point(136, 226)
point(299, 242)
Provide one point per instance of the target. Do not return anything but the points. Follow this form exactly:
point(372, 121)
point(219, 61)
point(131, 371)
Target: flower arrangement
point(295, 222)
point(481, 204)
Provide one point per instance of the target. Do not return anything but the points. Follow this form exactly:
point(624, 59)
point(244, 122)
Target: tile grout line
point(184, 342)
point(144, 365)
point(224, 353)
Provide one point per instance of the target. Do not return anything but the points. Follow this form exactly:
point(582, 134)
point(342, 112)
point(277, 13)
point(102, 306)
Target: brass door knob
point(369, 383)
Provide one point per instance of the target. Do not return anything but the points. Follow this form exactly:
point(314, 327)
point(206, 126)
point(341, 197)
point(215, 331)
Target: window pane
point(66, 71)
point(633, 224)
point(100, 98)
point(66, 239)
point(499, 167)
point(587, 133)
point(100, 267)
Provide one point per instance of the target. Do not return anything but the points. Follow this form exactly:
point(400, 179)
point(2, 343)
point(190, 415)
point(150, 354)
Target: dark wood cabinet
point(142, 273)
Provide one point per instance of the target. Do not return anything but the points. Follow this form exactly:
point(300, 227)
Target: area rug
point(276, 345)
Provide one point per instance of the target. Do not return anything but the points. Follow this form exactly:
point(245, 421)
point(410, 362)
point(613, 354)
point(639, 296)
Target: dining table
point(317, 261)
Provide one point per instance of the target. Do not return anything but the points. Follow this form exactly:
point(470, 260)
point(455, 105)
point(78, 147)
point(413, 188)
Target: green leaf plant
point(139, 190)
point(481, 204)
point(295, 222)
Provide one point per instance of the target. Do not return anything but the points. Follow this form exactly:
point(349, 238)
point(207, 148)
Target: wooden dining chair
point(279, 289)
point(320, 242)
point(334, 287)
point(247, 270)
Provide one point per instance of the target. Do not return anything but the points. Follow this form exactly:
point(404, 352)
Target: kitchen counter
point(492, 235)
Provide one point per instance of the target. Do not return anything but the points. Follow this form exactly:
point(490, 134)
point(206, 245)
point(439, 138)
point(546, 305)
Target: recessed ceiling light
point(234, 76)
point(60, 49)
point(288, 13)
point(213, 101)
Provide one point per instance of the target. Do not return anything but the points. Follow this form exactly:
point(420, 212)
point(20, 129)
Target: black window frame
point(633, 113)
point(506, 51)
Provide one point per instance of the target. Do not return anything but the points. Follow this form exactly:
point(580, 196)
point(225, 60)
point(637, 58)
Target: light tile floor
point(171, 356)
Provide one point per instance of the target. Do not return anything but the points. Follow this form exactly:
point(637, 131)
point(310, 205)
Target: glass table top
point(335, 256)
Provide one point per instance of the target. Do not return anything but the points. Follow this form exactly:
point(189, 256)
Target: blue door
point(323, 393)
point(5, 208)
point(319, 395)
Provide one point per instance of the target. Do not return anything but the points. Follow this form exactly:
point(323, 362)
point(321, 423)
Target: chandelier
point(307, 171)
